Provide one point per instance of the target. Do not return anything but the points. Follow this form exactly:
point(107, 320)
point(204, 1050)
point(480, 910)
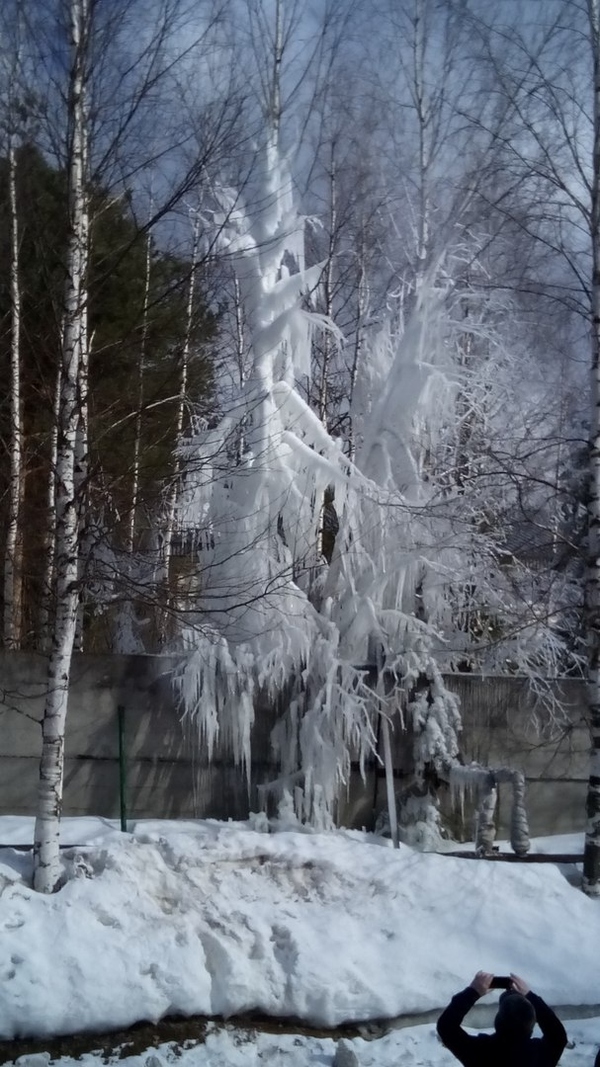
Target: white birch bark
point(591, 862)
point(13, 553)
point(240, 342)
point(80, 480)
point(135, 475)
point(424, 122)
point(47, 599)
point(47, 825)
point(81, 468)
point(275, 102)
point(362, 310)
point(241, 355)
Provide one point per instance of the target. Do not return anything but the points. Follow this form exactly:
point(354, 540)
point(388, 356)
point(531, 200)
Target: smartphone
point(501, 981)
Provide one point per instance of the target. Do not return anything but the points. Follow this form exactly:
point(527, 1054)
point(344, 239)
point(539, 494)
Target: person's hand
point(519, 985)
point(481, 983)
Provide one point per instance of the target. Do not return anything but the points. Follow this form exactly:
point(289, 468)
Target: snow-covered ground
point(223, 918)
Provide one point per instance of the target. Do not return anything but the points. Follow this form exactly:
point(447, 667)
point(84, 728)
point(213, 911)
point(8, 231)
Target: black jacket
point(490, 1050)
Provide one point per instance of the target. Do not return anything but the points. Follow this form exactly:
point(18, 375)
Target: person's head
point(516, 1017)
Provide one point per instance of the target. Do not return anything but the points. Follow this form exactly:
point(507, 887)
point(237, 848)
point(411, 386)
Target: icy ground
point(223, 918)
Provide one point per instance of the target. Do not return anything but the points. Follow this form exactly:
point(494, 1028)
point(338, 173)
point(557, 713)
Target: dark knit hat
point(516, 1016)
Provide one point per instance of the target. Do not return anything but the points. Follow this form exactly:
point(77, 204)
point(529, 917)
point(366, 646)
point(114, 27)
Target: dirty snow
point(222, 918)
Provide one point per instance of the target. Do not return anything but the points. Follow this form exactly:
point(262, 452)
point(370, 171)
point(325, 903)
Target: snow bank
point(215, 918)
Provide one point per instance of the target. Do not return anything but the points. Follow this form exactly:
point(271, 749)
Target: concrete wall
point(168, 774)
point(504, 725)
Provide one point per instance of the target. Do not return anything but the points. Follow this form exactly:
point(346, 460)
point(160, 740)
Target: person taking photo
point(512, 1042)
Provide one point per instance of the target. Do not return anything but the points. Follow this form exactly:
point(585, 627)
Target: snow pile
point(217, 918)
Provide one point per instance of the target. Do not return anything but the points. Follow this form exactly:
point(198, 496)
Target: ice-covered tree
point(273, 615)
point(253, 484)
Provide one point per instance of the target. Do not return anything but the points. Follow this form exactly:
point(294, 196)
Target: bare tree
point(74, 360)
point(543, 69)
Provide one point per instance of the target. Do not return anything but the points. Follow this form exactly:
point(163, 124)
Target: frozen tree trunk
point(485, 826)
point(47, 825)
point(519, 829)
point(13, 553)
point(591, 860)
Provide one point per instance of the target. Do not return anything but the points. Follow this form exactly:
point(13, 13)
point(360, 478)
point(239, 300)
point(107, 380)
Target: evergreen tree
point(116, 305)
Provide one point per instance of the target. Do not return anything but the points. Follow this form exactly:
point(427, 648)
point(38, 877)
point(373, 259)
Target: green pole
point(122, 768)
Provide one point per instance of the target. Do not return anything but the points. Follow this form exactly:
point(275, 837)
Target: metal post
point(389, 780)
point(122, 767)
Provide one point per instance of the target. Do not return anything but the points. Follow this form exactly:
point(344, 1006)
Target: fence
point(167, 773)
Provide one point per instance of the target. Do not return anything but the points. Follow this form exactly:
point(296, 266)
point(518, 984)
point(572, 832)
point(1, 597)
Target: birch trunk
point(81, 465)
point(47, 825)
point(362, 309)
point(47, 599)
point(424, 122)
point(135, 476)
point(275, 101)
point(81, 478)
point(240, 343)
point(591, 861)
point(13, 554)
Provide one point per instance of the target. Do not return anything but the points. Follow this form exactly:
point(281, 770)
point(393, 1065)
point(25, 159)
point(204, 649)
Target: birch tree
point(47, 868)
point(591, 862)
point(550, 72)
point(13, 559)
point(17, 107)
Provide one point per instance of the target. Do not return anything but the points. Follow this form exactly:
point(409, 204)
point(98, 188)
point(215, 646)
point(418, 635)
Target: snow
point(223, 918)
